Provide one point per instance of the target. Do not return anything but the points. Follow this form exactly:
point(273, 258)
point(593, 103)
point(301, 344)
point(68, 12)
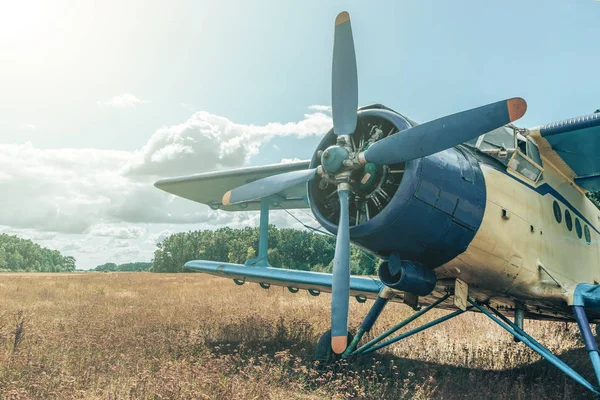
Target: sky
point(98, 100)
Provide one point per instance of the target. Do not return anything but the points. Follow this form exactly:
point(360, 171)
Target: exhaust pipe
point(407, 276)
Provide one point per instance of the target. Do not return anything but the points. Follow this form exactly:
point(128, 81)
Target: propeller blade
point(444, 133)
point(344, 80)
point(267, 186)
point(340, 285)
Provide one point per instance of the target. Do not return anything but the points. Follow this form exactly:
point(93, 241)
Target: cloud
point(109, 193)
point(115, 231)
point(158, 237)
point(207, 141)
point(289, 160)
point(317, 107)
point(120, 243)
point(125, 100)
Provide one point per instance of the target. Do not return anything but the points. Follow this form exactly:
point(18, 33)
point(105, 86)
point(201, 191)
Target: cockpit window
point(507, 145)
point(533, 152)
point(525, 167)
point(501, 138)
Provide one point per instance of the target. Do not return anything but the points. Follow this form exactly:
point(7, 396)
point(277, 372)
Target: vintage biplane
point(469, 212)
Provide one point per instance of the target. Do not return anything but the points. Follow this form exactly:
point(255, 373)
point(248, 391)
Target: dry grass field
point(160, 336)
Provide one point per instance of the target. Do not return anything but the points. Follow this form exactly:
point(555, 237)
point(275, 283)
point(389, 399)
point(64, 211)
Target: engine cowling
point(427, 210)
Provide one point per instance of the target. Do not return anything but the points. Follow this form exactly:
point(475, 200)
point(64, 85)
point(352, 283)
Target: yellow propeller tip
point(342, 17)
point(516, 108)
point(226, 198)
point(339, 344)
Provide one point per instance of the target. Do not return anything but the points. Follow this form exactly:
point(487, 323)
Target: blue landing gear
point(376, 344)
point(530, 342)
point(589, 296)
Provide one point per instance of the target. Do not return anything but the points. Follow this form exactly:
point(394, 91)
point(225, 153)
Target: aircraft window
point(501, 138)
point(525, 167)
point(533, 152)
point(578, 228)
point(522, 144)
point(557, 212)
point(588, 237)
point(568, 220)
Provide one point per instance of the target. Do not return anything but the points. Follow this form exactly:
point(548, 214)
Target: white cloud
point(289, 160)
point(116, 231)
point(158, 237)
point(321, 108)
point(101, 206)
point(207, 141)
point(125, 100)
point(78, 190)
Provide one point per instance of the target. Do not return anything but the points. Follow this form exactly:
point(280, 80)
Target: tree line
point(127, 267)
point(288, 248)
point(17, 254)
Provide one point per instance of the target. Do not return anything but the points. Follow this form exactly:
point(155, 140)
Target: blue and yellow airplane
point(469, 212)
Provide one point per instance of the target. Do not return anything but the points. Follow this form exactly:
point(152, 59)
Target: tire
point(324, 355)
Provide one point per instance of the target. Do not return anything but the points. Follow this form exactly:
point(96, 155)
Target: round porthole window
point(568, 220)
point(578, 228)
point(557, 212)
point(588, 237)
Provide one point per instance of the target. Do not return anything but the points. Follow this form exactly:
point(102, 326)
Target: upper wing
point(573, 146)
point(209, 188)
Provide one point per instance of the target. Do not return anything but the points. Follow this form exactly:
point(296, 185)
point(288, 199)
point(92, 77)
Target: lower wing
point(362, 287)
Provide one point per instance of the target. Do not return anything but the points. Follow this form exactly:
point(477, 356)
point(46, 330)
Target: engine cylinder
point(407, 276)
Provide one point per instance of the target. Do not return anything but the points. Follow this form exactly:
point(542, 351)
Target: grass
point(161, 336)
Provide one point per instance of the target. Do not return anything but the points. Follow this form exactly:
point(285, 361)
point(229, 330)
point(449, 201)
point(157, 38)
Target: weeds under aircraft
point(470, 212)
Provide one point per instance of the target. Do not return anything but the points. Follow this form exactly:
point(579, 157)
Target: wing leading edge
point(362, 286)
point(208, 188)
point(316, 281)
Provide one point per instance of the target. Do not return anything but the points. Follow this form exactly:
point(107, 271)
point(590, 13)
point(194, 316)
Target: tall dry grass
point(142, 335)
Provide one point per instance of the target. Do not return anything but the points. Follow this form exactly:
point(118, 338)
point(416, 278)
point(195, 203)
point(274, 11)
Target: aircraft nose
point(434, 214)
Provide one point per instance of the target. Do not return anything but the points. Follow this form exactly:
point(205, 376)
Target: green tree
point(288, 248)
point(17, 254)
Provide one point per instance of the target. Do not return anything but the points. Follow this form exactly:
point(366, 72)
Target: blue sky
point(261, 61)
point(67, 69)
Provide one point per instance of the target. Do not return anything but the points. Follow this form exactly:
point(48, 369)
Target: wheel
point(324, 353)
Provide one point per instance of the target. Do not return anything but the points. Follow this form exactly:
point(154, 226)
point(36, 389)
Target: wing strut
point(263, 240)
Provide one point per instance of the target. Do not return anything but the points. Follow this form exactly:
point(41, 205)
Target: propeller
point(340, 160)
point(443, 133)
point(268, 186)
point(344, 78)
point(340, 284)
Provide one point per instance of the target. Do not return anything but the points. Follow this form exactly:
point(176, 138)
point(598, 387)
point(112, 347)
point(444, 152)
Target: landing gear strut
point(584, 293)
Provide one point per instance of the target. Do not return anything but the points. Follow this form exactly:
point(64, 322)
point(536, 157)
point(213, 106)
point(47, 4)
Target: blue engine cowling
point(433, 214)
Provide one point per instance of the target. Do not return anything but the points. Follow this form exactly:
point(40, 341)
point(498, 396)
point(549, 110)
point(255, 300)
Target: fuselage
point(526, 249)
